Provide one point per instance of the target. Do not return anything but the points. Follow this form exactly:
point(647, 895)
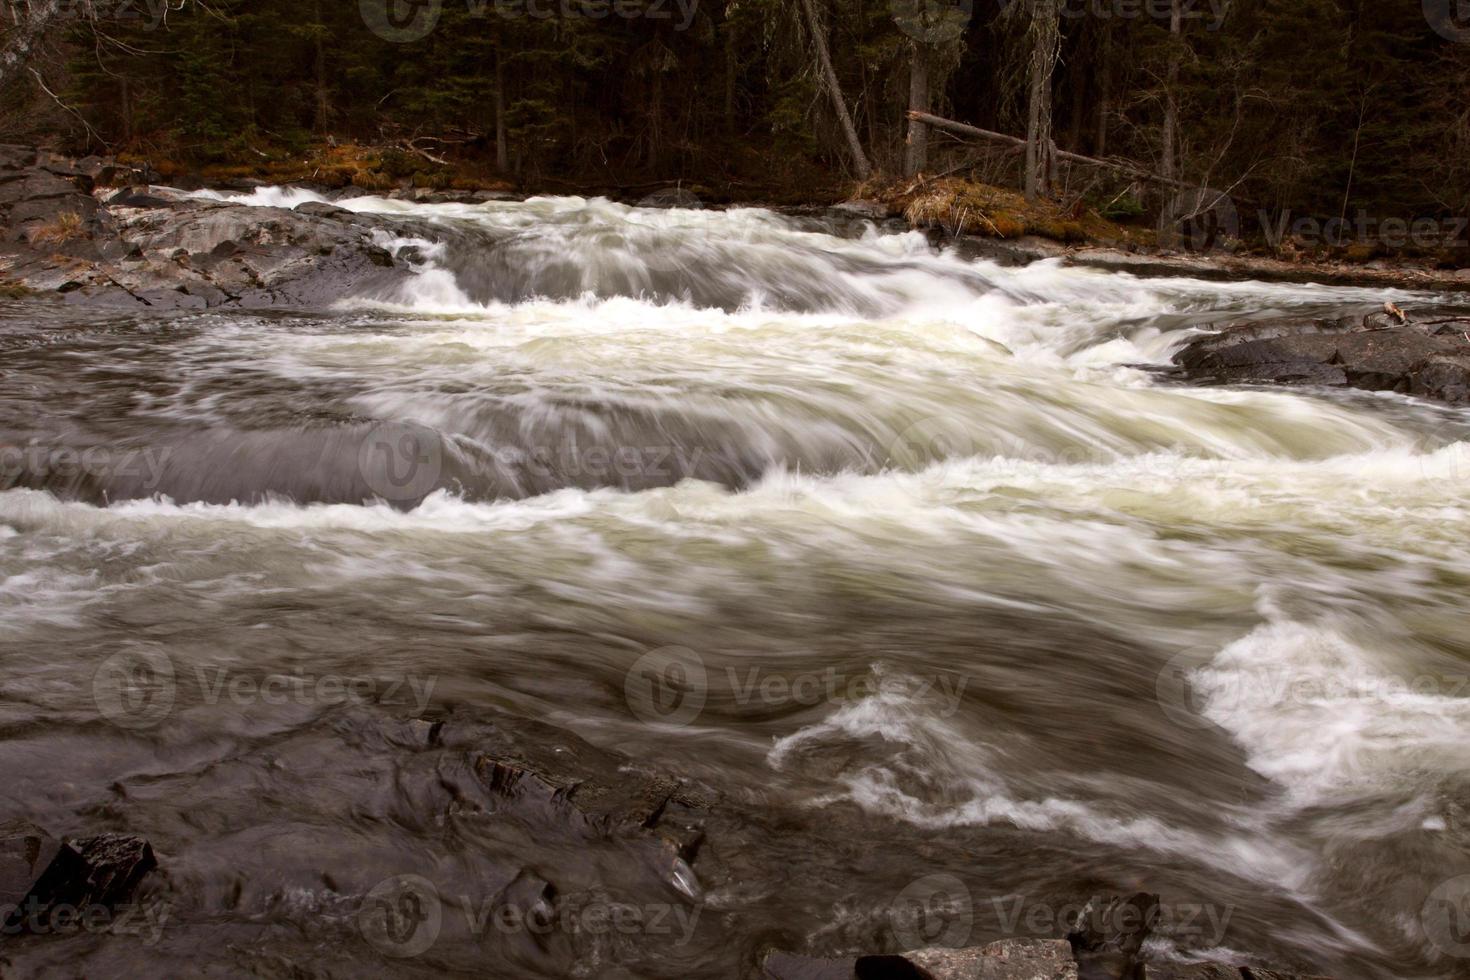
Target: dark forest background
point(1325, 107)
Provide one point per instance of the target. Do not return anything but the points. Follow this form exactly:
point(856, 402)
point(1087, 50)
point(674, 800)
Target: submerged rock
point(1107, 938)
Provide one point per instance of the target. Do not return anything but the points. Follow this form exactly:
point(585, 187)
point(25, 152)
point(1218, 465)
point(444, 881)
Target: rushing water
point(958, 593)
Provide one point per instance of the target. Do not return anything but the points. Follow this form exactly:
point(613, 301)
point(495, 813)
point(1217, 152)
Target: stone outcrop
point(98, 233)
point(40, 874)
point(1422, 352)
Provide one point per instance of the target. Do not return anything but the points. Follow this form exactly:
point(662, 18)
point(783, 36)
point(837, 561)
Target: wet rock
point(1424, 352)
point(600, 804)
point(789, 966)
point(321, 209)
point(132, 198)
point(1107, 938)
point(151, 247)
point(39, 873)
point(26, 852)
point(1221, 971)
point(1008, 959)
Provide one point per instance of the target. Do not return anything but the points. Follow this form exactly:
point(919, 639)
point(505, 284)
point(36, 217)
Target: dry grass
point(65, 227)
point(962, 207)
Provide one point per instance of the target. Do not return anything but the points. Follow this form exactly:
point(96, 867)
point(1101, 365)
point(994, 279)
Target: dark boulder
point(133, 198)
point(1424, 353)
point(39, 874)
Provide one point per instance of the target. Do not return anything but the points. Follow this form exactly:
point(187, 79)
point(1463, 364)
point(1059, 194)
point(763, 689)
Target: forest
point(1340, 109)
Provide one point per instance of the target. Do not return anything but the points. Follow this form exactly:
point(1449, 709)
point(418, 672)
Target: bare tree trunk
point(1170, 138)
point(502, 148)
point(731, 74)
point(1104, 90)
point(1040, 152)
point(322, 102)
point(916, 151)
point(839, 104)
point(125, 95)
point(25, 37)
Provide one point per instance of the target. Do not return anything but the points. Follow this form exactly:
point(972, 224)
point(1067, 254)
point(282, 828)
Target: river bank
point(68, 221)
point(559, 587)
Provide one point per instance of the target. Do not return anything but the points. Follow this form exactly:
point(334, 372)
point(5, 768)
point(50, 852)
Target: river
point(917, 559)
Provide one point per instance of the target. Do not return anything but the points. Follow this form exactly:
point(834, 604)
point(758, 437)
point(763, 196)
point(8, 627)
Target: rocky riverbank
point(103, 233)
point(1419, 351)
point(681, 842)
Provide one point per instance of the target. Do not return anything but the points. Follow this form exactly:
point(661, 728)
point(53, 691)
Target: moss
point(13, 290)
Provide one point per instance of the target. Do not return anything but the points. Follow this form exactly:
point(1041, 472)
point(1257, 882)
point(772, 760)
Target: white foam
point(1330, 717)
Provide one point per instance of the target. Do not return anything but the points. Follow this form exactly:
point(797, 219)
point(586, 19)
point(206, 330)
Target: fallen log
point(1122, 166)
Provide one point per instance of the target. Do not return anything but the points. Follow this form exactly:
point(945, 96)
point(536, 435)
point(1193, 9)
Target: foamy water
point(1097, 626)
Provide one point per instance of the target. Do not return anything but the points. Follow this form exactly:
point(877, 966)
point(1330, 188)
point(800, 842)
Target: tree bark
point(839, 104)
point(732, 69)
point(916, 151)
point(1170, 137)
point(1040, 151)
point(1104, 90)
point(323, 105)
point(13, 57)
point(502, 147)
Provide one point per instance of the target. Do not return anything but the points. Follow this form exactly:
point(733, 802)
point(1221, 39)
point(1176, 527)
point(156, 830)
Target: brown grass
point(65, 227)
point(962, 207)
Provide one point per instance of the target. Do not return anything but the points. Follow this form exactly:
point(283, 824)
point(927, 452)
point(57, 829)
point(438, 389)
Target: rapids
point(944, 563)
